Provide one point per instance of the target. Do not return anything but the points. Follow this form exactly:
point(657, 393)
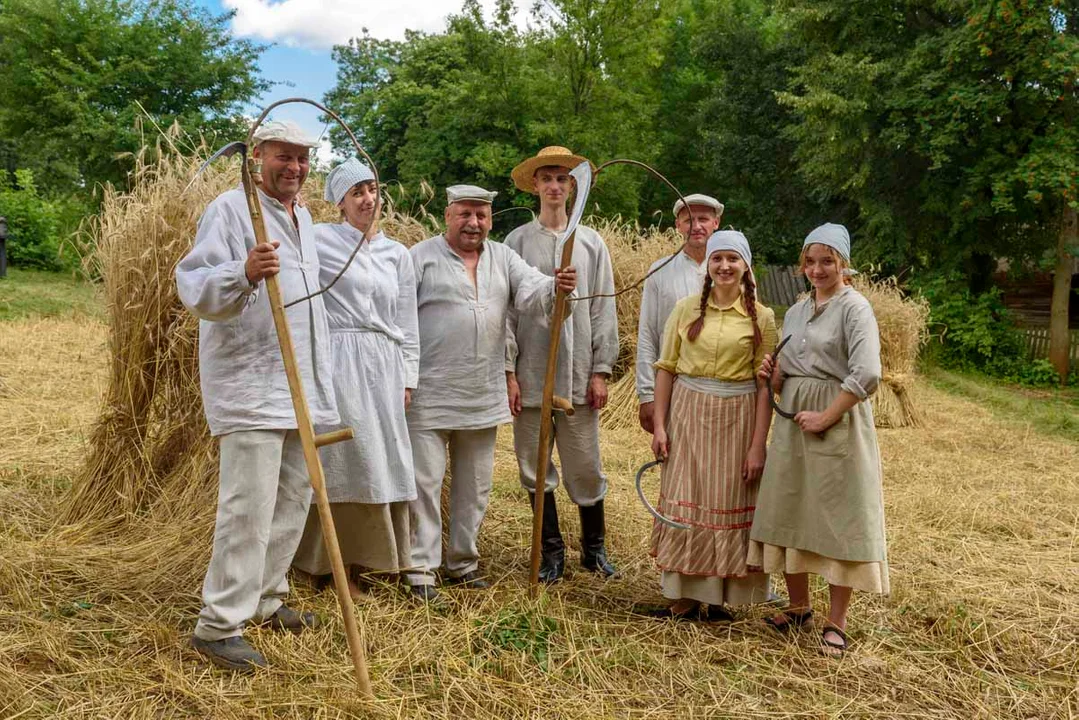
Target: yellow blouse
point(724, 349)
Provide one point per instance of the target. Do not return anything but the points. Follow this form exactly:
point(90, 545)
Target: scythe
point(308, 439)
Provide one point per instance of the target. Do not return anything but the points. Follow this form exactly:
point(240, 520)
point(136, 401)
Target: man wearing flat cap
point(696, 219)
point(264, 491)
point(465, 287)
point(589, 349)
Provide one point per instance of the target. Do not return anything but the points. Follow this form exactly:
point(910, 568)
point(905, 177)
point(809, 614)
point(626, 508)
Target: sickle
point(772, 396)
point(648, 506)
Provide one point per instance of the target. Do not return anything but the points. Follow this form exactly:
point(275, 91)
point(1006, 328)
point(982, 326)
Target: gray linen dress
point(820, 507)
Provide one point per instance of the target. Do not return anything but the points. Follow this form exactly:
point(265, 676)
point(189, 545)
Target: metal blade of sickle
point(651, 508)
point(583, 176)
point(308, 439)
point(772, 396)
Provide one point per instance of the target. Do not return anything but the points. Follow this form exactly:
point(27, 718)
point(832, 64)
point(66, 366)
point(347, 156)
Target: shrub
point(971, 332)
point(33, 223)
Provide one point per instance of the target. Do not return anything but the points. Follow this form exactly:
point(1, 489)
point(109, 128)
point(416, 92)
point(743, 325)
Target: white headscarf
point(344, 177)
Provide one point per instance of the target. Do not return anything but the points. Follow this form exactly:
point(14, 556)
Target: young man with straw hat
point(589, 348)
point(679, 278)
point(264, 490)
point(465, 287)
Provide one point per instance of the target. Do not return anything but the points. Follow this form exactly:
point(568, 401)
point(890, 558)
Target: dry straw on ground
point(983, 621)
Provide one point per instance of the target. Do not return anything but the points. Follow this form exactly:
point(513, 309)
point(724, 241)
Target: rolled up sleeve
point(863, 350)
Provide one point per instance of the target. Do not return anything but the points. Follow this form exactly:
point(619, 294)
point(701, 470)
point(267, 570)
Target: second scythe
point(582, 174)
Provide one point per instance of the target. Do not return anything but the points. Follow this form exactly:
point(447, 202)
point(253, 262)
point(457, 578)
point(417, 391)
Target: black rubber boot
point(593, 550)
point(552, 547)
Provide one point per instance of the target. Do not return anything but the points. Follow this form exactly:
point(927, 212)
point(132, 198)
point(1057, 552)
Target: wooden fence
point(1038, 344)
point(779, 284)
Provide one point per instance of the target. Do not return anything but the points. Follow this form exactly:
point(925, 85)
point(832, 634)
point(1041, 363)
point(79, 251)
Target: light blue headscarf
point(729, 240)
point(834, 236)
point(343, 177)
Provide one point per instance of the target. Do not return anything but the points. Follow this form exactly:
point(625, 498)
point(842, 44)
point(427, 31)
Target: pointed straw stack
point(151, 454)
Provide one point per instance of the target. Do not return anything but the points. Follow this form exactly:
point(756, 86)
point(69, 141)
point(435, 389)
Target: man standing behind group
point(680, 277)
point(465, 287)
point(589, 348)
point(264, 490)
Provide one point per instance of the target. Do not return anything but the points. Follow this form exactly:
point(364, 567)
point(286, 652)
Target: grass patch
point(39, 294)
point(1053, 410)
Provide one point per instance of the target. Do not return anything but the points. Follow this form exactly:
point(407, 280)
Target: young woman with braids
point(711, 420)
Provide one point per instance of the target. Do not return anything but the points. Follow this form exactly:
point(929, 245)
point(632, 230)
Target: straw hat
point(552, 155)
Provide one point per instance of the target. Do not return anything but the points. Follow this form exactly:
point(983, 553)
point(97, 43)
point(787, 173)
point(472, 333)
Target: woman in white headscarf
point(821, 506)
point(375, 346)
point(710, 418)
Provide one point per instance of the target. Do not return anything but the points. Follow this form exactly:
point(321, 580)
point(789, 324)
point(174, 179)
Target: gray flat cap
point(699, 199)
point(469, 193)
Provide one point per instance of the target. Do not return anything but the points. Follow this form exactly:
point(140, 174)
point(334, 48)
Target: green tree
point(33, 223)
point(472, 102)
point(952, 126)
point(722, 130)
point(73, 74)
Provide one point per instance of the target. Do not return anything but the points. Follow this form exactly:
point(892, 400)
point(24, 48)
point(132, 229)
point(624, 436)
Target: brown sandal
point(795, 619)
point(830, 647)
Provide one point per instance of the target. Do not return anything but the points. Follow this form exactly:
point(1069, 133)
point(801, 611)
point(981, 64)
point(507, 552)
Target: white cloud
point(320, 24)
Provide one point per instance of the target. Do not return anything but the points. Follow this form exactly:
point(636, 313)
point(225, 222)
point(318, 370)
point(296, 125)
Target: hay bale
point(150, 451)
point(903, 322)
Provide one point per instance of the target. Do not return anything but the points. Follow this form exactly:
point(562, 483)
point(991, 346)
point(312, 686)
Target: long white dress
point(375, 350)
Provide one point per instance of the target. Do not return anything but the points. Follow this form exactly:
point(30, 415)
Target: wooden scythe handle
point(558, 315)
point(309, 443)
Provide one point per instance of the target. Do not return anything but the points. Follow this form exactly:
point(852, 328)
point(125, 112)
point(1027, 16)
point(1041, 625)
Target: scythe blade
point(228, 151)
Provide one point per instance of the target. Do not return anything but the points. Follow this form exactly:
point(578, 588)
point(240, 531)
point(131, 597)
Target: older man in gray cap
point(696, 219)
point(465, 287)
point(263, 491)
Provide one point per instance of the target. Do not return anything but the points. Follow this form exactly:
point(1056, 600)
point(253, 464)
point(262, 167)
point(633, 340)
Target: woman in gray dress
point(374, 342)
point(820, 508)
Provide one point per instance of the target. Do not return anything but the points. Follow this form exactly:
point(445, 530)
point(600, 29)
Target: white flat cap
point(469, 193)
point(284, 131)
point(699, 199)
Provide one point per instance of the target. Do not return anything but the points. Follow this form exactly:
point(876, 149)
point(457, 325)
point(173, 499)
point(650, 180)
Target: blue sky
point(302, 33)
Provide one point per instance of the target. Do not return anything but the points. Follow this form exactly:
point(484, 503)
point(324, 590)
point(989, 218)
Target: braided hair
point(698, 324)
point(749, 299)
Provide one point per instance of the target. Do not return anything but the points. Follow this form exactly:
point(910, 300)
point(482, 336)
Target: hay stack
point(150, 452)
point(903, 324)
point(632, 252)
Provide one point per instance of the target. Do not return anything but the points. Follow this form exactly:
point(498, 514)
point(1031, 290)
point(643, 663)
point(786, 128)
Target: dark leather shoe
point(232, 653)
point(425, 593)
point(469, 581)
point(285, 618)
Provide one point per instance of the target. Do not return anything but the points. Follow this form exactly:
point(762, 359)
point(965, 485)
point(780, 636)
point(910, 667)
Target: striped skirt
point(702, 486)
